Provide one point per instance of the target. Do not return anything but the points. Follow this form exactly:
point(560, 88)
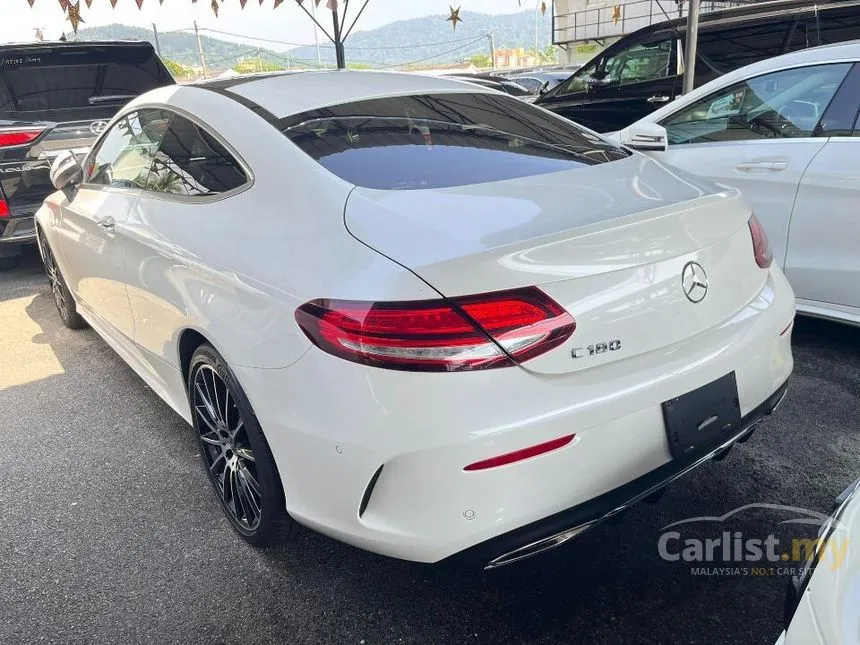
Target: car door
point(823, 260)
point(620, 86)
point(193, 173)
point(91, 224)
point(757, 135)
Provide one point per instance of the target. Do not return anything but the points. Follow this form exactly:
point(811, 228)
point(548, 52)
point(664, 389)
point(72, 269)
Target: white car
point(418, 316)
point(823, 603)
point(784, 131)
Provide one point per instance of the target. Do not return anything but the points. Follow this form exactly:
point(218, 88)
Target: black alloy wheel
point(235, 453)
point(63, 299)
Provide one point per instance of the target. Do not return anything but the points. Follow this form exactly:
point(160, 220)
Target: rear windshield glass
point(443, 140)
point(53, 82)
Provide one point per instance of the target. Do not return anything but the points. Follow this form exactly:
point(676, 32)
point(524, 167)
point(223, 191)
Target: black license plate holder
point(703, 416)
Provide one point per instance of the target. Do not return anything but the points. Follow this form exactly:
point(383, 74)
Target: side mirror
point(544, 88)
point(645, 136)
point(66, 170)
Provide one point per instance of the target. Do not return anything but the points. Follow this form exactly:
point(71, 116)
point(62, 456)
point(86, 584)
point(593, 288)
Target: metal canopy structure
point(340, 32)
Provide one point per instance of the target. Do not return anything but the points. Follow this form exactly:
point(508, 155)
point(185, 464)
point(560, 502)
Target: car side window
point(192, 163)
point(123, 156)
point(784, 104)
point(637, 63)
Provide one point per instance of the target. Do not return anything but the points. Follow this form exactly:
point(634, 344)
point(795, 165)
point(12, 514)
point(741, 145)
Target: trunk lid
point(609, 243)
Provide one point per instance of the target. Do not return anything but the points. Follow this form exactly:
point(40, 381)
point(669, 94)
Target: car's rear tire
point(63, 299)
point(234, 452)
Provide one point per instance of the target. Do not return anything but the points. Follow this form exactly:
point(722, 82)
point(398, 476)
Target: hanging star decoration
point(454, 18)
point(74, 15)
point(64, 4)
point(214, 6)
point(543, 8)
point(616, 14)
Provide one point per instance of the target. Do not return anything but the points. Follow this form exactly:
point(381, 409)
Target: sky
point(286, 23)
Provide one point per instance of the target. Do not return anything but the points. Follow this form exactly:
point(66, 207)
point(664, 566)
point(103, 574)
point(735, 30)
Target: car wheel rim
point(55, 280)
point(226, 449)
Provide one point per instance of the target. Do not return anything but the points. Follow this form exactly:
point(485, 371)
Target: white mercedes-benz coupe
point(422, 317)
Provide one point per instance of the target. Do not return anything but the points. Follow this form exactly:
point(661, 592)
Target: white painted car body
point(828, 609)
point(608, 242)
point(804, 189)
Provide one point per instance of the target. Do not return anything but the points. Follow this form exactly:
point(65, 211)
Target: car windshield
point(443, 140)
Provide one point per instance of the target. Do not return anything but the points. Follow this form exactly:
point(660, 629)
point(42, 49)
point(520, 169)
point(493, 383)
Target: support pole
point(492, 40)
point(691, 46)
point(157, 44)
point(338, 41)
point(200, 50)
point(316, 35)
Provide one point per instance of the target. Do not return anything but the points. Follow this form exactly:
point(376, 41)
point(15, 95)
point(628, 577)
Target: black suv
point(645, 69)
point(55, 97)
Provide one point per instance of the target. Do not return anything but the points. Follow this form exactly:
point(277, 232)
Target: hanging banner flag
point(277, 4)
point(31, 3)
point(543, 8)
point(64, 5)
point(242, 3)
point(139, 3)
point(214, 7)
point(113, 3)
point(89, 3)
point(331, 4)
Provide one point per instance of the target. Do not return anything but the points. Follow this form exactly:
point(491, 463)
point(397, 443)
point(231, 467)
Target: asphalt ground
point(109, 532)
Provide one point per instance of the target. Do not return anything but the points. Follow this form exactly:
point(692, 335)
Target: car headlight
point(797, 584)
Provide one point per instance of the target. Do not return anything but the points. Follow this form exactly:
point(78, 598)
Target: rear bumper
point(332, 425)
point(557, 529)
point(18, 230)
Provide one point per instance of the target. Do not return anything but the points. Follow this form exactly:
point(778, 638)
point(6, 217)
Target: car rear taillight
point(18, 136)
point(4, 208)
point(761, 245)
point(473, 332)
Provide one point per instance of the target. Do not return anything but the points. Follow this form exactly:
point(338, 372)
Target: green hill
point(425, 40)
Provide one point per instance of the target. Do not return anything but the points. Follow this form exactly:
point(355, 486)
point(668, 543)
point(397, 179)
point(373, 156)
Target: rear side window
point(56, 83)
point(443, 140)
point(192, 163)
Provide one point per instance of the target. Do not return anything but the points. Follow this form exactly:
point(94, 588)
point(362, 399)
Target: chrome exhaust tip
point(539, 546)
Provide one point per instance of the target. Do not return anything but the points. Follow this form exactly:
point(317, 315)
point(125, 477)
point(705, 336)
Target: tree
point(549, 55)
point(481, 60)
point(251, 65)
point(177, 69)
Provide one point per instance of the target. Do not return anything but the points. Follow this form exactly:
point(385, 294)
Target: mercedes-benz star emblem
point(694, 282)
point(97, 127)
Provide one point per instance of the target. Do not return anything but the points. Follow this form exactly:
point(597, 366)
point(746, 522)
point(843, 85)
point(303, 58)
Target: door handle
point(762, 166)
point(658, 99)
point(107, 224)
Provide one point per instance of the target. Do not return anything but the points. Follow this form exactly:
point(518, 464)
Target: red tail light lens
point(474, 332)
point(18, 137)
point(761, 245)
point(4, 208)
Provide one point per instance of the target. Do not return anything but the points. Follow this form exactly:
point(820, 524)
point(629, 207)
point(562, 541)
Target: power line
point(445, 53)
point(351, 47)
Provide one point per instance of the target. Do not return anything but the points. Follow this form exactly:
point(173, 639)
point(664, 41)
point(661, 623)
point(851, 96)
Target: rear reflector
point(4, 208)
point(520, 455)
point(468, 333)
point(18, 136)
point(761, 245)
